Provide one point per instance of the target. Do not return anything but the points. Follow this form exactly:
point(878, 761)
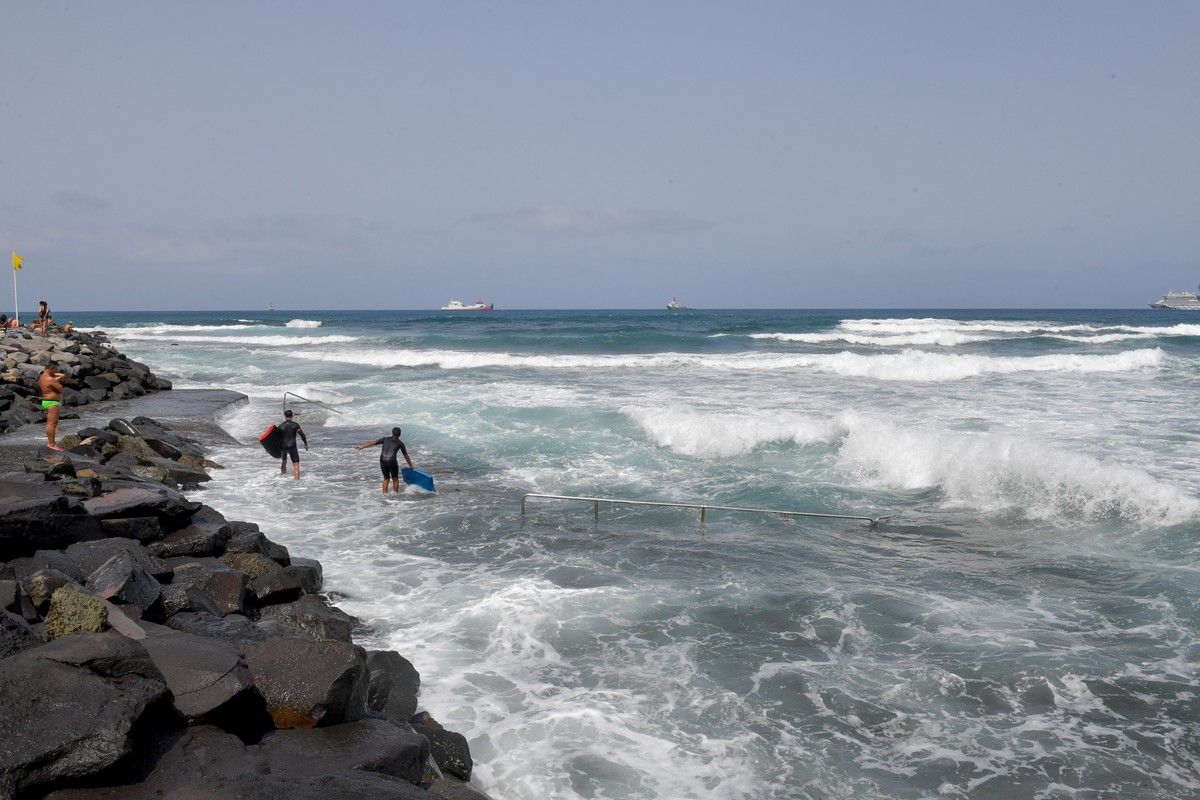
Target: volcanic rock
point(16, 635)
point(202, 673)
point(90, 556)
point(37, 516)
point(42, 584)
point(180, 597)
point(394, 684)
point(309, 683)
point(70, 707)
point(450, 789)
point(370, 744)
point(255, 565)
point(313, 615)
point(449, 750)
point(142, 529)
point(225, 585)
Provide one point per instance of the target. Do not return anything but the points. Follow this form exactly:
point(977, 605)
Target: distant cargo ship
point(1180, 301)
point(459, 305)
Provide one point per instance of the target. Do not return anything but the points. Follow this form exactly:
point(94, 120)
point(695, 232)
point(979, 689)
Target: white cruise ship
point(1181, 301)
point(459, 305)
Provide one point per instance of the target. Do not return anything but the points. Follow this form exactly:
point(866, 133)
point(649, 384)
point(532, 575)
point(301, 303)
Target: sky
point(227, 155)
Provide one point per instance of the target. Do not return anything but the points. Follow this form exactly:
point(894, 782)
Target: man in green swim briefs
point(50, 384)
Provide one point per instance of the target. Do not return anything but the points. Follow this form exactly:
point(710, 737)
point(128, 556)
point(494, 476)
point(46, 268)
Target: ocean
point(1024, 623)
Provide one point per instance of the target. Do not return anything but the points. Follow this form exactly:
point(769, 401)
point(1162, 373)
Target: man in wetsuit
point(389, 463)
point(50, 384)
point(287, 439)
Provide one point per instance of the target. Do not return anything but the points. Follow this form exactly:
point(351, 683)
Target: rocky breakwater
point(150, 647)
point(94, 369)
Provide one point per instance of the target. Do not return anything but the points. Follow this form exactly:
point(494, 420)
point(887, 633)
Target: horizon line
point(615, 308)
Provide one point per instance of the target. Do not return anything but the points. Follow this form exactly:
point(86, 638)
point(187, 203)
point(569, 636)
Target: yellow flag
point(16, 260)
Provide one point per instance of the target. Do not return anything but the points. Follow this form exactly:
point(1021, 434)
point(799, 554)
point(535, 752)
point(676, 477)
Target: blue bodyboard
point(418, 478)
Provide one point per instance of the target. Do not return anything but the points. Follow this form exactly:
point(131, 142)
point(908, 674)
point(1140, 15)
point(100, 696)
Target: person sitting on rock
point(389, 463)
point(287, 438)
point(50, 384)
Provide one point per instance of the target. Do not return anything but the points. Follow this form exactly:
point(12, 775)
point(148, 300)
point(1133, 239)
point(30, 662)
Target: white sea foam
point(931, 331)
point(725, 435)
point(909, 365)
point(1103, 338)
point(261, 341)
point(1003, 474)
point(303, 323)
point(528, 696)
point(927, 325)
point(164, 329)
point(941, 338)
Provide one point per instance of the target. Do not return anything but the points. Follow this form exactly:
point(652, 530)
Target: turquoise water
point(1024, 625)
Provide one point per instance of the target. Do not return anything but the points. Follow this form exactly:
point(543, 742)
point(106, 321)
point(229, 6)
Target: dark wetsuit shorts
point(292, 452)
point(390, 469)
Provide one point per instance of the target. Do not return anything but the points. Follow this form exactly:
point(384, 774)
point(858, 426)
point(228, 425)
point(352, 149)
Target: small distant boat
point(459, 305)
point(270, 306)
point(675, 305)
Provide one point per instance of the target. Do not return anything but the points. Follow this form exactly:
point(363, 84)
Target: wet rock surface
point(71, 707)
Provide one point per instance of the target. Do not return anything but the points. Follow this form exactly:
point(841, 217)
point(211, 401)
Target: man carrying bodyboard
point(288, 432)
point(389, 463)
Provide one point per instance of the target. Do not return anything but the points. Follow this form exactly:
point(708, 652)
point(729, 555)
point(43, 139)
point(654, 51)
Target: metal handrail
point(704, 508)
point(305, 399)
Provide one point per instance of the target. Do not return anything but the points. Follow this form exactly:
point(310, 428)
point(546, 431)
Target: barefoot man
point(50, 384)
point(389, 464)
point(288, 432)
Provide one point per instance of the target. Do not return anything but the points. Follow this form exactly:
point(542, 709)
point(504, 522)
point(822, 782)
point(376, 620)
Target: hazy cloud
point(917, 244)
point(81, 203)
point(217, 242)
point(565, 221)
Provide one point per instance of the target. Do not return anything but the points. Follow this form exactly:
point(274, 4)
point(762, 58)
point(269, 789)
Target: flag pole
point(16, 305)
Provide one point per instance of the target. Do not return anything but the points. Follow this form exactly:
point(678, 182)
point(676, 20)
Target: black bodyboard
point(272, 442)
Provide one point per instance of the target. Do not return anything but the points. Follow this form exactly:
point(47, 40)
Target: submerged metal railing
point(704, 507)
point(305, 399)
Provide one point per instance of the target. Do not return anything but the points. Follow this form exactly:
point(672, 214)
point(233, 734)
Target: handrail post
point(596, 510)
point(702, 510)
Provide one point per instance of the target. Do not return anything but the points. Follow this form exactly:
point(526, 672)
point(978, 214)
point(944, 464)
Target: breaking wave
point(303, 323)
point(725, 435)
point(925, 325)
point(990, 473)
point(945, 338)
point(909, 365)
point(1002, 474)
point(163, 329)
point(264, 341)
point(952, 333)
